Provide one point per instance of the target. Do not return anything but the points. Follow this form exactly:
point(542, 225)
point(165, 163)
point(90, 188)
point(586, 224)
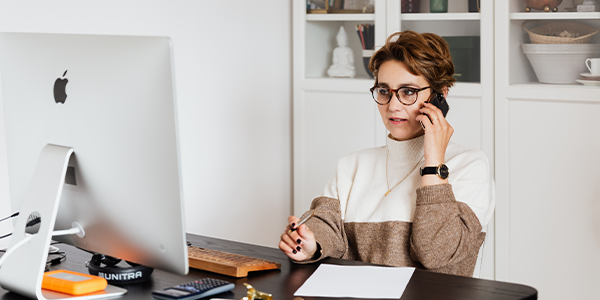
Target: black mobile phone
point(440, 102)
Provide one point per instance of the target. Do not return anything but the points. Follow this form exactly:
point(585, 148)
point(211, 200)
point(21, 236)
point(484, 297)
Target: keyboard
point(225, 263)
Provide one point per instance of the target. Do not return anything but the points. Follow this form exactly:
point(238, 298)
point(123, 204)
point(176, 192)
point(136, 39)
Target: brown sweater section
point(445, 235)
point(385, 243)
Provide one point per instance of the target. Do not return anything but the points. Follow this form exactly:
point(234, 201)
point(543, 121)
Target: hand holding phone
point(438, 137)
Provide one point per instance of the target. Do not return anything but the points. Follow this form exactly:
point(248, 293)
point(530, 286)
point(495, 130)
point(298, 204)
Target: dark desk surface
point(284, 282)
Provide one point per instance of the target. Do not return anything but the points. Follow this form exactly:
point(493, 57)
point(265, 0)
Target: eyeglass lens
point(406, 95)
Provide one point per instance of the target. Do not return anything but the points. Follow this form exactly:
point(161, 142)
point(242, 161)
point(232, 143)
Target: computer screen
point(112, 100)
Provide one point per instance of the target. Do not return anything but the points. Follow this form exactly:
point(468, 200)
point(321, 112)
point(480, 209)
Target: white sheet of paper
point(356, 282)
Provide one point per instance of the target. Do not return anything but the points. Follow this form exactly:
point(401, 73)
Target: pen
point(303, 221)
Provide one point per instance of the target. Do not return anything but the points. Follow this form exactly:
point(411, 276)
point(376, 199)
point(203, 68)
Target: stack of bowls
point(559, 63)
point(555, 55)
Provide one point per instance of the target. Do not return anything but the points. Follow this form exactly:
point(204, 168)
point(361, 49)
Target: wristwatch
point(441, 171)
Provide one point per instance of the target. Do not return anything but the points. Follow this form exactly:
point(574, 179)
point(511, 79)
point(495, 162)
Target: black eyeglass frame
point(392, 92)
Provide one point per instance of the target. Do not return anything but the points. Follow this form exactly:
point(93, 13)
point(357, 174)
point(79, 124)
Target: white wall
point(5, 209)
point(233, 80)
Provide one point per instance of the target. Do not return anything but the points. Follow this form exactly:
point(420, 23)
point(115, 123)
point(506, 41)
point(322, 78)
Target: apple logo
point(60, 87)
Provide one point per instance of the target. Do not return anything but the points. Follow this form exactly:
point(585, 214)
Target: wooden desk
point(284, 282)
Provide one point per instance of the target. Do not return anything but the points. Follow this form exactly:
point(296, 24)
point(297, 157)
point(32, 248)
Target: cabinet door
point(548, 209)
point(329, 125)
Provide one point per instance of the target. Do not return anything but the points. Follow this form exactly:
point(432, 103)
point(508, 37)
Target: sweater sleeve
point(446, 234)
point(328, 228)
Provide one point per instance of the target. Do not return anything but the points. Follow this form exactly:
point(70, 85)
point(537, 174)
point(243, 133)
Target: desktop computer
point(92, 147)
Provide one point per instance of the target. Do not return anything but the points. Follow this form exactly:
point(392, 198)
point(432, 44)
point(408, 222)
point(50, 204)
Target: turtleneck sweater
point(438, 227)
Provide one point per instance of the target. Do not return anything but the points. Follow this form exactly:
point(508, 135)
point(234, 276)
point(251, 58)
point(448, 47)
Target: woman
point(378, 208)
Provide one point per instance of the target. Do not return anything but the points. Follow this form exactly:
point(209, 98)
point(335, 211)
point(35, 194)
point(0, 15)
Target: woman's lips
point(397, 121)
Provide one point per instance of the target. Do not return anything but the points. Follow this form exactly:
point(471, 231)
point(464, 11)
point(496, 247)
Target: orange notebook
point(72, 283)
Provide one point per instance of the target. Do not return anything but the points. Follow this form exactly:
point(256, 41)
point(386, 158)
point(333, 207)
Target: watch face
point(443, 171)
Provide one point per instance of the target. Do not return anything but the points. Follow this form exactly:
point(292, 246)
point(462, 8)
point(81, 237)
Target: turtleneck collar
point(403, 151)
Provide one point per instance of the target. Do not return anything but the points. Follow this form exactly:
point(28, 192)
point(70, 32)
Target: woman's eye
point(383, 92)
point(408, 92)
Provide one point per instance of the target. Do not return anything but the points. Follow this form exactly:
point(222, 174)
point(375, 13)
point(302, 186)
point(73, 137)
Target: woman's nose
point(395, 103)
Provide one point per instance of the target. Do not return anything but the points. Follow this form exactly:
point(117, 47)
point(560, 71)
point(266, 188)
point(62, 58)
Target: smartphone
point(440, 102)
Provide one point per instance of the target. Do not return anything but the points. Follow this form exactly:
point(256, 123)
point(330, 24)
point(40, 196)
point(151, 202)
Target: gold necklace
point(386, 173)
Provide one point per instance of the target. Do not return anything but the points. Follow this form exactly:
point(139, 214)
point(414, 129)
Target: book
point(350, 4)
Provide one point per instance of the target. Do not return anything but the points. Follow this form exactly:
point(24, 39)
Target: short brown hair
point(424, 54)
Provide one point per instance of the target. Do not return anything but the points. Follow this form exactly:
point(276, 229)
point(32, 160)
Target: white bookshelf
point(544, 136)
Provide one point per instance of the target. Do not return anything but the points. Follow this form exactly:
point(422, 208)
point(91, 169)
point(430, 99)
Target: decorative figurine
point(253, 294)
point(545, 5)
point(343, 57)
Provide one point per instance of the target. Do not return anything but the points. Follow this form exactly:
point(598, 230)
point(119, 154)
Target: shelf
point(553, 92)
point(555, 16)
point(440, 16)
point(340, 17)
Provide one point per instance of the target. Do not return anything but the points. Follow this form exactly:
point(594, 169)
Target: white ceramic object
point(593, 64)
point(559, 63)
point(343, 58)
point(589, 76)
point(589, 82)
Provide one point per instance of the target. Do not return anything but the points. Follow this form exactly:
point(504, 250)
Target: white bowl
point(559, 63)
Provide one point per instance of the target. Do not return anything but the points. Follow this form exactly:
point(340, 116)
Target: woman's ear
point(445, 91)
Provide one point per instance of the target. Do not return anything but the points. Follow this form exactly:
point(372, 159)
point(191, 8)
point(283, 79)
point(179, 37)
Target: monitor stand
point(23, 270)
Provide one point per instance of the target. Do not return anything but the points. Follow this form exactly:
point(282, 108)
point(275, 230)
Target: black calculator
point(194, 290)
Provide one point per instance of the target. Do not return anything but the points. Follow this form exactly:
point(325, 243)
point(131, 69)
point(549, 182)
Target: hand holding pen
point(297, 241)
point(294, 227)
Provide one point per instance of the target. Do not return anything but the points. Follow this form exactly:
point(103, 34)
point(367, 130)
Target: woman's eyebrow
point(405, 84)
point(409, 84)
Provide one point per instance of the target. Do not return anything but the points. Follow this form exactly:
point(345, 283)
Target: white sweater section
point(360, 181)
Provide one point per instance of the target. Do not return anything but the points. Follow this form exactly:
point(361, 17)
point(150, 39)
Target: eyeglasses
point(406, 95)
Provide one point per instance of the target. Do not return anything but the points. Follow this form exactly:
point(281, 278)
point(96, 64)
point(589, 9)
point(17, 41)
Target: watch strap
point(429, 171)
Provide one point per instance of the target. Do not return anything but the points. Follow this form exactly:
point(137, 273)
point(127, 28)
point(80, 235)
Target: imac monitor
point(111, 100)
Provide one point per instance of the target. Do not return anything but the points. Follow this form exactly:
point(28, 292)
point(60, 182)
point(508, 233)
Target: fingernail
point(298, 248)
point(298, 241)
point(294, 251)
